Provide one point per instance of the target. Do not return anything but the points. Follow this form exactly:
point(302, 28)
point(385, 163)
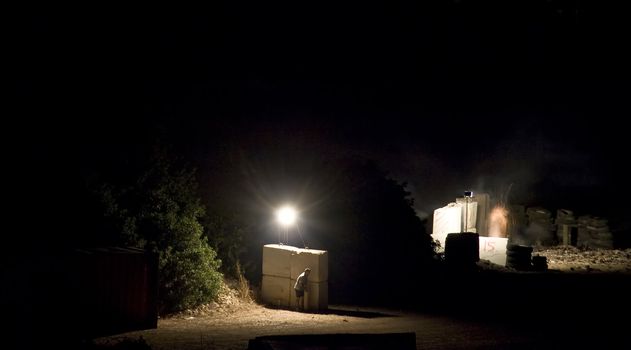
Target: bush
point(189, 277)
point(161, 212)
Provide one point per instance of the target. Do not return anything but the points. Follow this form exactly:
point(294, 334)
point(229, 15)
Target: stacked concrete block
point(493, 249)
point(275, 285)
point(276, 260)
point(594, 232)
point(276, 291)
point(469, 208)
point(566, 227)
point(517, 222)
point(316, 260)
point(583, 235)
point(281, 266)
point(541, 228)
point(599, 234)
point(316, 297)
point(483, 201)
point(446, 220)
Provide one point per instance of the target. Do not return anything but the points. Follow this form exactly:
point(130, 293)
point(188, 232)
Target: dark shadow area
point(516, 294)
point(342, 311)
point(552, 305)
point(67, 297)
point(394, 341)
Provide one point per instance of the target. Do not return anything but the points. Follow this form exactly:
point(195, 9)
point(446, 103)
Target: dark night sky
point(444, 95)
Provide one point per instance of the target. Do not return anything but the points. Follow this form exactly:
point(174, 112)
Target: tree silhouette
point(375, 239)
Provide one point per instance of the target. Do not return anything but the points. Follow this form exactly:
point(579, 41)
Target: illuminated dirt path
point(233, 330)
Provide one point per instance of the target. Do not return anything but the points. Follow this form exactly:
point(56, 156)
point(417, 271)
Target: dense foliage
point(161, 212)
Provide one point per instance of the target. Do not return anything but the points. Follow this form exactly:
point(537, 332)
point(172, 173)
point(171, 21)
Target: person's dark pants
point(299, 299)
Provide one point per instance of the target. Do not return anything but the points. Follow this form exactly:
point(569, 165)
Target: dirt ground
point(231, 321)
point(233, 327)
point(569, 258)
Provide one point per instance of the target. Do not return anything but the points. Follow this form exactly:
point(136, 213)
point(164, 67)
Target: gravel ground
point(569, 259)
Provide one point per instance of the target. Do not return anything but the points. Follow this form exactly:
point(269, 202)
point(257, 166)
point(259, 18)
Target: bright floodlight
point(286, 216)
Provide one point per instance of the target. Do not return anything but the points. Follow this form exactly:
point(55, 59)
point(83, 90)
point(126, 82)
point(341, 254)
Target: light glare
point(286, 216)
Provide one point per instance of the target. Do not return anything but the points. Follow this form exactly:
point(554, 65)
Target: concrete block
point(277, 291)
point(276, 260)
point(484, 210)
point(493, 249)
point(470, 209)
point(446, 220)
point(316, 260)
point(316, 296)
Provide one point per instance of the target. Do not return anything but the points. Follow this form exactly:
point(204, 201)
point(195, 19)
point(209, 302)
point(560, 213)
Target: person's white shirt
point(301, 281)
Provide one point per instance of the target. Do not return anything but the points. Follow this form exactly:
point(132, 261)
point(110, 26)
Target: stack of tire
point(518, 257)
point(462, 250)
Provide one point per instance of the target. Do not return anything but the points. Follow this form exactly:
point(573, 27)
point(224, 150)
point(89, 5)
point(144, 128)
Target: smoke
point(498, 222)
point(537, 233)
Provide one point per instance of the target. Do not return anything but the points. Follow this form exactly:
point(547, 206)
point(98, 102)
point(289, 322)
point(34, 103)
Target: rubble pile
point(569, 258)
